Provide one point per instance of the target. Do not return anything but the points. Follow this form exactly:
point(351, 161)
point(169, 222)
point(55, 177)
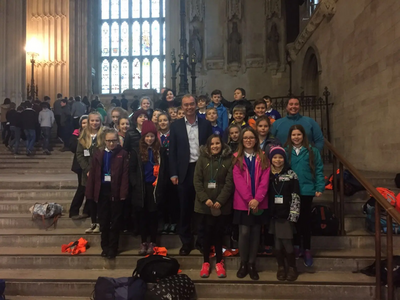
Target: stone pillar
point(12, 50)
point(47, 21)
point(80, 48)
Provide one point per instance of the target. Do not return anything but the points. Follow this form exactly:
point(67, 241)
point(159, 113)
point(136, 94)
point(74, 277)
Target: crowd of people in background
point(239, 166)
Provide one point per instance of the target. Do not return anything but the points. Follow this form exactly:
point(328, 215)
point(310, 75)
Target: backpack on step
point(371, 271)
point(176, 287)
point(351, 184)
point(155, 267)
point(124, 288)
point(2, 289)
point(46, 210)
point(323, 221)
point(370, 219)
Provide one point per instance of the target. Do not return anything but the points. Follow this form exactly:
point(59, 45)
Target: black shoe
point(253, 272)
point(281, 274)
point(112, 254)
point(243, 271)
point(104, 253)
point(185, 250)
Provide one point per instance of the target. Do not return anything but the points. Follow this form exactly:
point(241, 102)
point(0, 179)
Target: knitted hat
point(137, 114)
point(147, 127)
point(83, 117)
point(277, 150)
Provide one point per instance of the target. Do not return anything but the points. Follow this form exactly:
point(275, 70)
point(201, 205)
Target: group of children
point(243, 176)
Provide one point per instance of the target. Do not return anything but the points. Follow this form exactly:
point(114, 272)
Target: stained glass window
point(132, 45)
point(105, 40)
point(105, 78)
point(124, 39)
point(124, 75)
point(114, 9)
point(105, 9)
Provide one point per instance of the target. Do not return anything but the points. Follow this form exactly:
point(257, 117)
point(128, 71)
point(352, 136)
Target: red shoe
point(205, 270)
point(220, 269)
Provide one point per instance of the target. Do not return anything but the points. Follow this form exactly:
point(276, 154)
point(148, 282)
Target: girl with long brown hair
point(251, 179)
point(306, 162)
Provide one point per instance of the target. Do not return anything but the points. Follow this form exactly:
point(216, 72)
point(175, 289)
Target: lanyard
point(107, 163)
point(212, 178)
point(280, 190)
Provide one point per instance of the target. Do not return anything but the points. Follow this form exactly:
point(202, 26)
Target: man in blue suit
point(186, 137)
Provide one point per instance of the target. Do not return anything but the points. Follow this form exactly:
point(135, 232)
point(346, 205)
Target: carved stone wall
point(12, 52)
point(48, 22)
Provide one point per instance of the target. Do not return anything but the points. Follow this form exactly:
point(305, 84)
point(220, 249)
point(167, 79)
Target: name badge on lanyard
point(212, 185)
point(86, 152)
point(107, 178)
point(278, 199)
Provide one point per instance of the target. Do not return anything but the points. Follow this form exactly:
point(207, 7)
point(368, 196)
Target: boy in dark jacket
point(108, 185)
point(29, 123)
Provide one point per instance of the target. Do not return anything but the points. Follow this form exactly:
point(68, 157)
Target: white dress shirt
point(193, 137)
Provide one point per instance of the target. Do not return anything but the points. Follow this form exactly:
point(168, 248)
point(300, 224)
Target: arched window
point(132, 45)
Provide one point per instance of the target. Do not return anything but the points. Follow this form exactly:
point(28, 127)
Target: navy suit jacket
point(179, 150)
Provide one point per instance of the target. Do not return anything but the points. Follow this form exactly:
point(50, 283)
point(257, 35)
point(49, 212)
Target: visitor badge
point(212, 185)
point(107, 178)
point(278, 199)
point(86, 152)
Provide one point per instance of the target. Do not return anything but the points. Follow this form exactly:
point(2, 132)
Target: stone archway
point(311, 72)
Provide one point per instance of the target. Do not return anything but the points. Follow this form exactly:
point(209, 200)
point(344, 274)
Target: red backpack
point(390, 197)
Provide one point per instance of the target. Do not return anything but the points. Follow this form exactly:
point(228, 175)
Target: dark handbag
point(155, 267)
point(124, 288)
point(176, 287)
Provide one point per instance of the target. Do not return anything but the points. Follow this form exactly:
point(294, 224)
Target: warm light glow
point(33, 47)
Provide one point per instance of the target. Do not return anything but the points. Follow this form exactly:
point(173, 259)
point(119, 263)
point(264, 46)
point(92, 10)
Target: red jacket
point(119, 175)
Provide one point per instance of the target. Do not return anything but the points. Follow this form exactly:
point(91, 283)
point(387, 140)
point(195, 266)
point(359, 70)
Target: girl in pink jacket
point(251, 178)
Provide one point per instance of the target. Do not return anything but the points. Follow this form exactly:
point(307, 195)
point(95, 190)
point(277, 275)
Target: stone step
point(36, 195)
point(33, 237)
point(34, 170)
point(43, 181)
point(80, 283)
point(354, 222)
point(351, 260)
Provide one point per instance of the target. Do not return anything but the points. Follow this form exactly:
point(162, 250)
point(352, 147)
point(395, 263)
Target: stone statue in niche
point(196, 44)
point(273, 45)
point(234, 45)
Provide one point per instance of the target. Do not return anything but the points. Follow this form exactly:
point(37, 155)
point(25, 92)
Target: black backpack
point(323, 221)
point(124, 288)
point(176, 287)
point(155, 267)
point(371, 271)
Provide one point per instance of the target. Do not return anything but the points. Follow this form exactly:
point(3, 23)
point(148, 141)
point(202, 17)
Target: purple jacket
point(242, 180)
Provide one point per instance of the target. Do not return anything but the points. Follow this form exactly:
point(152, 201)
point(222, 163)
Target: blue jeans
point(30, 139)
point(46, 137)
point(16, 137)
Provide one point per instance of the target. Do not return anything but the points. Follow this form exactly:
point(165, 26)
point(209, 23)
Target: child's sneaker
point(97, 228)
point(220, 269)
point(92, 227)
point(308, 260)
point(268, 250)
point(297, 252)
point(143, 249)
point(205, 270)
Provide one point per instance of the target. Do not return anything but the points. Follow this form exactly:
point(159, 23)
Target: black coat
point(136, 179)
point(132, 138)
point(29, 119)
point(164, 105)
point(73, 144)
point(14, 118)
point(179, 151)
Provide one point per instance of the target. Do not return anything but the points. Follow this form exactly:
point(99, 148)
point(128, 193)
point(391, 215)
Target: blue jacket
point(280, 129)
point(222, 115)
point(309, 184)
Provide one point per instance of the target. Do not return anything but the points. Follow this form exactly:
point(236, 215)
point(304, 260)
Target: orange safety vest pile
point(77, 247)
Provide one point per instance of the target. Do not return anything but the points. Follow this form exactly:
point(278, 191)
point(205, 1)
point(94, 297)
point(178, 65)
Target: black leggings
point(303, 225)
point(148, 219)
point(249, 239)
point(213, 235)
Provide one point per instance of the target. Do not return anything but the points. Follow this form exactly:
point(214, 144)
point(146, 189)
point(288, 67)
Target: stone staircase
point(34, 267)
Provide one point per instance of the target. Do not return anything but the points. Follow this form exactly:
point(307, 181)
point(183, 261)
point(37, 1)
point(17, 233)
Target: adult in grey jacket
point(78, 109)
point(46, 120)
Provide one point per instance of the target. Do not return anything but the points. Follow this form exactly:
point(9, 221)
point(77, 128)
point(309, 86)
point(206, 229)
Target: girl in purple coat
point(251, 178)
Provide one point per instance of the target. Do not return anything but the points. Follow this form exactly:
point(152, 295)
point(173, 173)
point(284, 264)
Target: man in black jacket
point(66, 124)
point(186, 137)
point(29, 122)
